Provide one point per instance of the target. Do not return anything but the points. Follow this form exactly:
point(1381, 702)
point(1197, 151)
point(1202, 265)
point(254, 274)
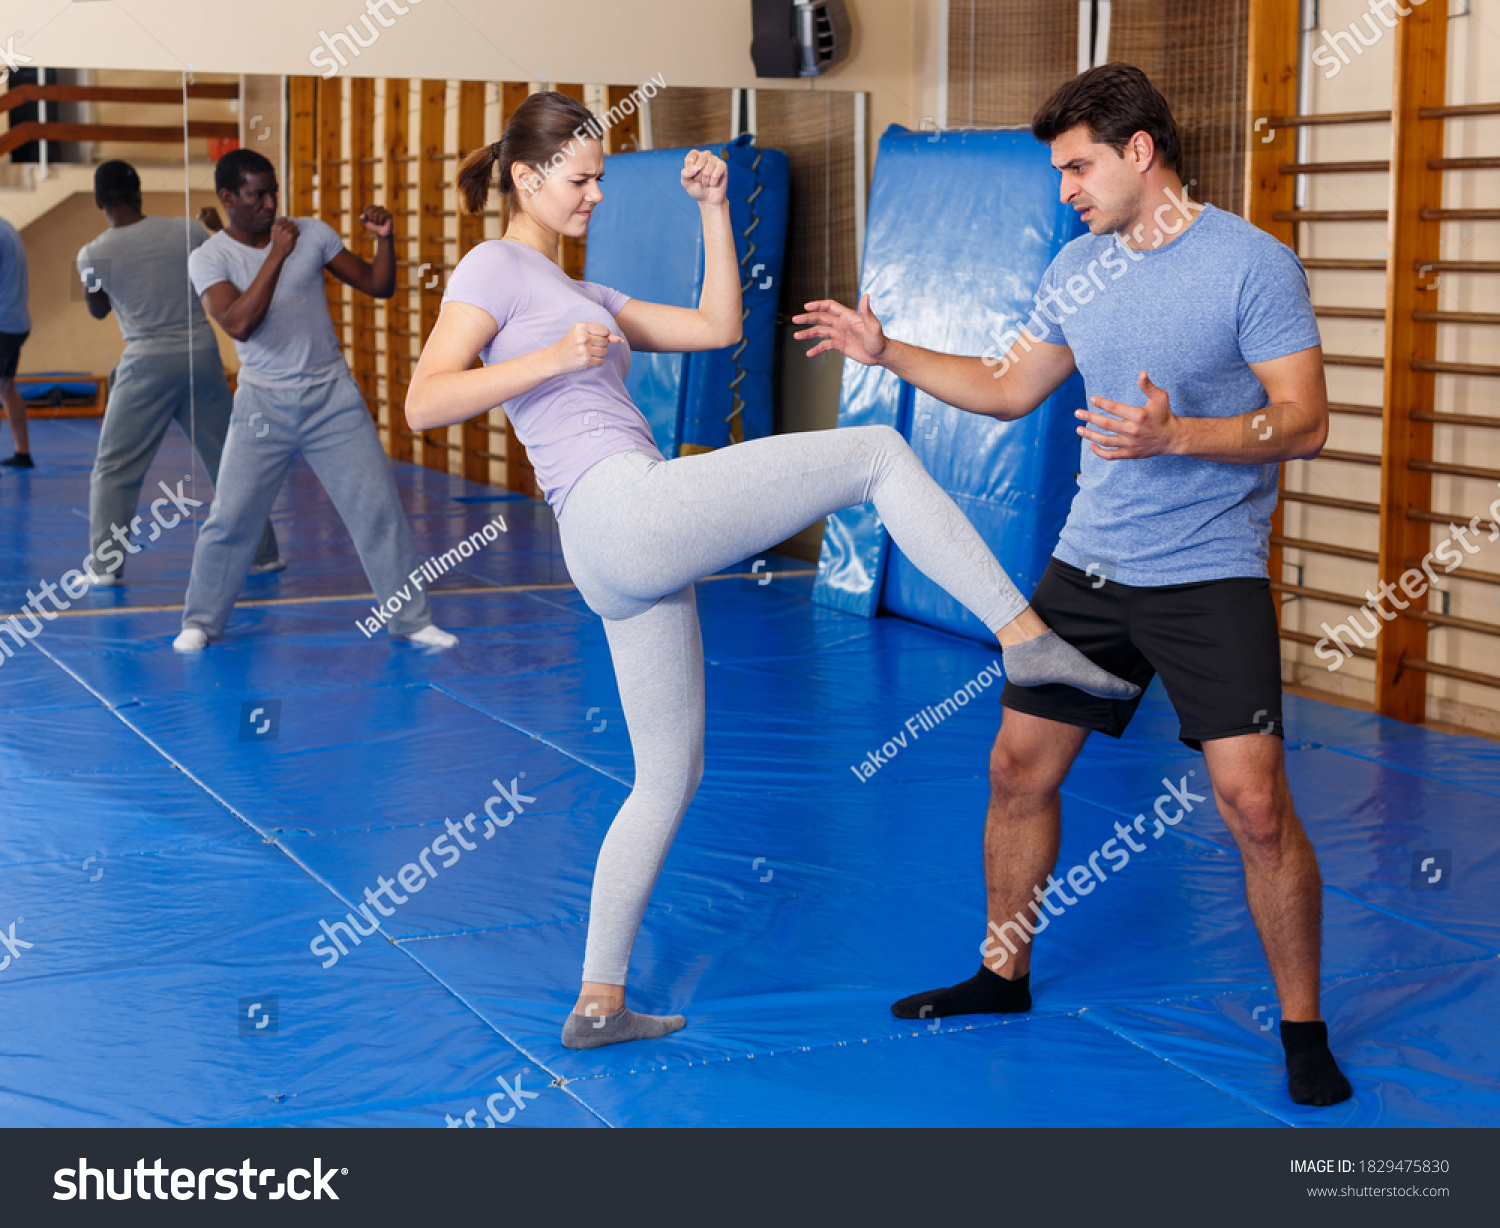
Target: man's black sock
point(984, 993)
point(1312, 1076)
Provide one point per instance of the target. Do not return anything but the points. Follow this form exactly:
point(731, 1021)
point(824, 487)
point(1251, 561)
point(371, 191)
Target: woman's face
point(561, 194)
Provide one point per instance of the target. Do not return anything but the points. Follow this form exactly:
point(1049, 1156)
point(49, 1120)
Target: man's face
point(252, 206)
point(1103, 186)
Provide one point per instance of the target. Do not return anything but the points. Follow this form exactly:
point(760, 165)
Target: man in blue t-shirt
point(15, 327)
point(1203, 367)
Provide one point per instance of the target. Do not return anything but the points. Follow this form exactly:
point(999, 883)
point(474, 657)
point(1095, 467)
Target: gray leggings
point(637, 531)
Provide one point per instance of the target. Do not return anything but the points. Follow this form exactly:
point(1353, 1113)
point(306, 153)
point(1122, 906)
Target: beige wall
point(690, 42)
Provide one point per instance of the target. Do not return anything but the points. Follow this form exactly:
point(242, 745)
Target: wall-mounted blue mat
point(961, 227)
point(647, 242)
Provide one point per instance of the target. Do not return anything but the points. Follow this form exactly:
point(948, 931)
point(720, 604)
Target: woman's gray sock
point(594, 1031)
point(1050, 658)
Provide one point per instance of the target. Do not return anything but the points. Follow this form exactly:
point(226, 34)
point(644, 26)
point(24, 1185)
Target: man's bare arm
point(1006, 387)
point(1292, 426)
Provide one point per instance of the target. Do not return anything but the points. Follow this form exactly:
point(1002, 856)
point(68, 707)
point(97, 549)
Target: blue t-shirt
point(1193, 314)
point(15, 317)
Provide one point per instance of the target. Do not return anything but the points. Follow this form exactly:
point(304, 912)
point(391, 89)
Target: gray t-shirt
point(1193, 314)
point(144, 270)
point(295, 345)
point(15, 317)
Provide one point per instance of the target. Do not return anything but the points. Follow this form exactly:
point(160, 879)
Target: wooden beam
point(359, 241)
point(475, 432)
point(519, 475)
point(571, 255)
point(1421, 48)
point(141, 96)
point(1271, 90)
point(302, 144)
point(25, 133)
point(400, 316)
point(625, 134)
point(432, 114)
point(330, 111)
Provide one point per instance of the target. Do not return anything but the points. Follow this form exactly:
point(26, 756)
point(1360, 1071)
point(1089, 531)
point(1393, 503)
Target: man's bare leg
point(1285, 894)
point(15, 413)
point(1028, 763)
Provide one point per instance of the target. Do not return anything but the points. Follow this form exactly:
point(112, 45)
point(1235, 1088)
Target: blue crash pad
point(646, 240)
point(961, 227)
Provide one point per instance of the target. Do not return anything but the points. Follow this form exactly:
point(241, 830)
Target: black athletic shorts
point(1215, 644)
point(10, 353)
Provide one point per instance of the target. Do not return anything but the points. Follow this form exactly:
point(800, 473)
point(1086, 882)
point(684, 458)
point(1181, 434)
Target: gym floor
point(176, 831)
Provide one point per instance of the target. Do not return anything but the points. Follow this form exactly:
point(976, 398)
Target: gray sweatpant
point(330, 426)
point(147, 393)
point(636, 532)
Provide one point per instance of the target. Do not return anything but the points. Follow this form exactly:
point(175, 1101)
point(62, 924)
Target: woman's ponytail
point(474, 174)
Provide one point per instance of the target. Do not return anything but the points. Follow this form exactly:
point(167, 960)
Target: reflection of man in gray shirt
point(170, 369)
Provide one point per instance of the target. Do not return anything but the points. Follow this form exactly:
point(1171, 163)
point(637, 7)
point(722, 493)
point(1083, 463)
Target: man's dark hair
point(231, 169)
point(1114, 102)
point(115, 184)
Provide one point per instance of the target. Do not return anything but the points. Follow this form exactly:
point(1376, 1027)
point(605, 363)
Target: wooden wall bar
point(431, 250)
point(625, 134)
point(302, 145)
point(361, 180)
point(571, 256)
point(1421, 45)
point(471, 100)
point(1272, 92)
point(330, 113)
point(398, 331)
point(519, 475)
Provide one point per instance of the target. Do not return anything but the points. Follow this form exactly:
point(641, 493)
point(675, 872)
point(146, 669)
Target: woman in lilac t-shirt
point(638, 530)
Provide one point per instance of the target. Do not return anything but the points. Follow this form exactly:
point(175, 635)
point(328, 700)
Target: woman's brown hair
point(536, 133)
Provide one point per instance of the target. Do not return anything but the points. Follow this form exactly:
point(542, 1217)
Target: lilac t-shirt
point(570, 422)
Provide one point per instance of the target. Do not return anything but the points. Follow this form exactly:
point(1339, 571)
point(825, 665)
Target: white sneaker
point(191, 639)
point(433, 637)
point(260, 569)
point(104, 580)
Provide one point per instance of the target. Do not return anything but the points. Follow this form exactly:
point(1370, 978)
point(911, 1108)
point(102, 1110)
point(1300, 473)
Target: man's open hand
point(1138, 430)
point(855, 334)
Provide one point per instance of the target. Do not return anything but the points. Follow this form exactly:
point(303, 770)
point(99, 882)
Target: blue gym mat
point(179, 836)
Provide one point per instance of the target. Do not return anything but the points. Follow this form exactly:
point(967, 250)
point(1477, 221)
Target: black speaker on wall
point(798, 38)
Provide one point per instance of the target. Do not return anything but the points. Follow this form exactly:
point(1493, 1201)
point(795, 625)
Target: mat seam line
point(1187, 1070)
point(560, 1081)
